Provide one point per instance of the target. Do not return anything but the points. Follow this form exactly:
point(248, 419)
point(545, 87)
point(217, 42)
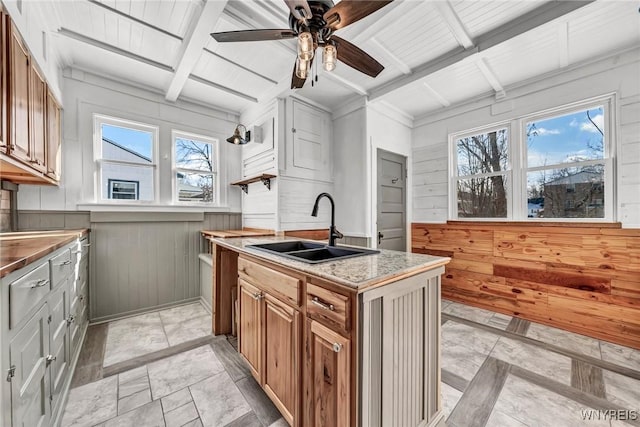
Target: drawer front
point(26, 292)
point(329, 307)
point(80, 250)
point(61, 267)
point(285, 287)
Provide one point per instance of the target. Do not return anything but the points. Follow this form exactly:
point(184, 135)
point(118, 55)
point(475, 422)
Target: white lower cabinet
point(42, 338)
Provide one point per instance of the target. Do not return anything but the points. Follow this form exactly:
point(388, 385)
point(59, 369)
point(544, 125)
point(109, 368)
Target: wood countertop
point(20, 249)
point(236, 233)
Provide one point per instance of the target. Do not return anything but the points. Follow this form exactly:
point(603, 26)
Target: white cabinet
point(308, 142)
point(48, 303)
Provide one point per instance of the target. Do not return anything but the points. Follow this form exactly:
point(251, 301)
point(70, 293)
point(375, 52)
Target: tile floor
point(497, 371)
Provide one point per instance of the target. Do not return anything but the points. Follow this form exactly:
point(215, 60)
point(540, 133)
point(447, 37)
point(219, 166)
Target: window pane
point(567, 138)
point(115, 178)
point(482, 197)
point(191, 154)
point(483, 153)
point(194, 187)
point(566, 193)
point(124, 144)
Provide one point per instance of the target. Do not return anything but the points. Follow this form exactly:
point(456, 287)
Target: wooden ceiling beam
point(193, 44)
point(527, 22)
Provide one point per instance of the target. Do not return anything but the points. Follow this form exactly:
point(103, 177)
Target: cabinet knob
point(258, 296)
point(70, 319)
point(337, 347)
point(50, 358)
point(293, 130)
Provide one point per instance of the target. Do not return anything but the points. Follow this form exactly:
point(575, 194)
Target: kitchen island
point(352, 342)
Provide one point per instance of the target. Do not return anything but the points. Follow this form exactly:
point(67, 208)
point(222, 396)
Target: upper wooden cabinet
point(30, 132)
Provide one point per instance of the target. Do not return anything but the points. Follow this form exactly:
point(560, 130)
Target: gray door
point(392, 203)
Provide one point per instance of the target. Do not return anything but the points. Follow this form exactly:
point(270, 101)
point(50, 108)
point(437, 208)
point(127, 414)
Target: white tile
point(450, 397)
point(175, 400)
point(134, 401)
point(533, 405)
point(534, 359)
point(187, 330)
point(620, 355)
point(149, 415)
point(478, 315)
point(622, 390)
point(133, 337)
point(461, 360)
point(92, 403)
point(500, 419)
point(134, 386)
point(477, 339)
point(181, 415)
point(176, 372)
point(129, 375)
point(182, 313)
point(218, 400)
point(565, 339)
point(280, 423)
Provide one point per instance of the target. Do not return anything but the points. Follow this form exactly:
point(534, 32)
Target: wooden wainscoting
point(583, 278)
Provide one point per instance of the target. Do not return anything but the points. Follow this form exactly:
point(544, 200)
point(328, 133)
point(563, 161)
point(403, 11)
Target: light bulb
point(302, 68)
point(305, 46)
point(329, 55)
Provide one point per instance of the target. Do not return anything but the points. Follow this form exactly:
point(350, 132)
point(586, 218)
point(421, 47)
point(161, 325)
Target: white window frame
point(175, 134)
point(136, 192)
point(517, 161)
point(98, 121)
point(453, 170)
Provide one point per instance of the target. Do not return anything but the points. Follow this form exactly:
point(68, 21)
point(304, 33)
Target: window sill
point(144, 207)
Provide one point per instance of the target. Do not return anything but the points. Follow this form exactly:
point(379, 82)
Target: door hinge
point(49, 319)
point(11, 372)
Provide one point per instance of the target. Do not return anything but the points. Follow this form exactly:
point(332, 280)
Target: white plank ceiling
point(435, 53)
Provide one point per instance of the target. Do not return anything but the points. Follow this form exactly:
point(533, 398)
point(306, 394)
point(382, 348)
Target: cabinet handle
point(50, 358)
point(40, 283)
point(337, 347)
point(258, 296)
point(70, 319)
point(81, 297)
point(323, 305)
point(76, 252)
point(67, 262)
point(86, 245)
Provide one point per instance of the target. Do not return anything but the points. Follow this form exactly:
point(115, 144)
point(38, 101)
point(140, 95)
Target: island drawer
point(60, 267)
point(281, 285)
point(329, 307)
point(26, 292)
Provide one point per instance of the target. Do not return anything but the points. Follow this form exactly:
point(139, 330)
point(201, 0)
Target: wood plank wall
point(584, 278)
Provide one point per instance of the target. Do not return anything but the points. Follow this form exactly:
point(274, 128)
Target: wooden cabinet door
point(60, 339)
point(28, 351)
point(19, 63)
point(281, 357)
point(4, 56)
point(328, 377)
point(250, 327)
point(37, 105)
point(54, 151)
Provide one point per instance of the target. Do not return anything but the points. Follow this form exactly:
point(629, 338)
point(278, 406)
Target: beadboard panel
point(139, 266)
point(582, 278)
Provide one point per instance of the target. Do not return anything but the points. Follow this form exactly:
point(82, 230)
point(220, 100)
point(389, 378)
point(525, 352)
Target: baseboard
point(206, 304)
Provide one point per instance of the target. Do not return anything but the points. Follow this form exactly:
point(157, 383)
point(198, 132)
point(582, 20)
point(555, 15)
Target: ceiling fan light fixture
point(239, 139)
point(329, 57)
point(305, 46)
point(302, 68)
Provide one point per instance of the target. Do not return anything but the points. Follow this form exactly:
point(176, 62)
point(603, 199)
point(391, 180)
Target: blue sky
point(135, 140)
point(564, 138)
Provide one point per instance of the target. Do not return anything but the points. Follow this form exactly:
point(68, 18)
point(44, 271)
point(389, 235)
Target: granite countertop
point(359, 272)
point(22, 248)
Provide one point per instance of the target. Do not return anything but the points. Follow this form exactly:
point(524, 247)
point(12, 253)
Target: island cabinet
point(354, 342)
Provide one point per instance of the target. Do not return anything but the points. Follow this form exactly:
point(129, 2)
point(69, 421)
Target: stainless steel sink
point(312, 253)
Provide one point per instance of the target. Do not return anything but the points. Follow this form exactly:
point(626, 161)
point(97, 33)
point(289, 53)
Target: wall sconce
point(240, 138)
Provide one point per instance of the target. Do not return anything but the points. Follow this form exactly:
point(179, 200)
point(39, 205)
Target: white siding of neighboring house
point(143, 175)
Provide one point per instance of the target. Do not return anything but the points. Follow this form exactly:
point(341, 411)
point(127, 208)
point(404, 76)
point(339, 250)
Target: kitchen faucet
point(333, 232)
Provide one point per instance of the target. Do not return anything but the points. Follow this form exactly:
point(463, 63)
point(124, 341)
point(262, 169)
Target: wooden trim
point(568, 224)
point(319, 234)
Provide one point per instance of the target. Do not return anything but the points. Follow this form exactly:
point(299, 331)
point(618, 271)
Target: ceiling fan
point(313, 22)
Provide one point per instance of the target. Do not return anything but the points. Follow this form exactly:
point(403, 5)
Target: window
point(482, 174)
point(123, 189)
point(557, 164)
point(194, 165)
point(125, 155)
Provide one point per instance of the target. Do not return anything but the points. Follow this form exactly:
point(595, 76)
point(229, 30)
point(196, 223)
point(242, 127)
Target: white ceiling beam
point(402, 66)
point(134, 19)
point(537, 17)
point(393, 12)
point(436, 95)
point(192, 46)
point(491, 77)
point(113, 49)
point(223, 88)
point(454, 23)
point(235, 64)
point(344, 82)
point(563, 44)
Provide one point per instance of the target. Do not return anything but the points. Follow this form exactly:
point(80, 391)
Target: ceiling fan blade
point(299, 8)
point(253, 35)
point(356, 58)
point(297, 82)
point(349, 11)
